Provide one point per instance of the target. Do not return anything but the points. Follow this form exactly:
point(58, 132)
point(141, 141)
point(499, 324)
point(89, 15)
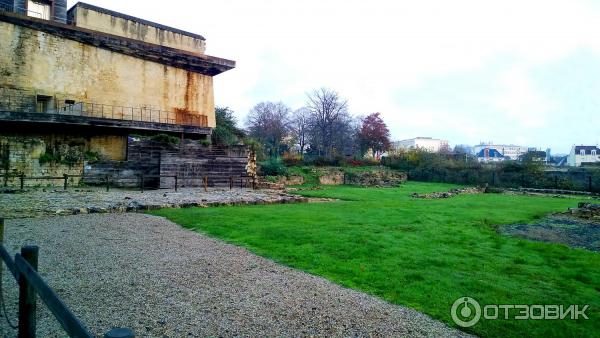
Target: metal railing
point(24, 270)
point(29, 104)
point(27, 12)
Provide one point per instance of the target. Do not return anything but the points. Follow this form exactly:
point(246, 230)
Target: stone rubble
point(451, 193)
point(36, 203)
point(586, 210)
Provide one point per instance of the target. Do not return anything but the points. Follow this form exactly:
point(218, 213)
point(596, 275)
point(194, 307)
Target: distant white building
point(425, 143)
point(508, 151)
point(487, 155)
point(583, 155)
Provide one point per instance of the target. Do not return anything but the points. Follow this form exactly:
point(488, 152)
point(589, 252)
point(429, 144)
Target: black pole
point(493, 178)
point(175, 183)
point(22, 177)
point(27, 297)
point(1, 243)
point(66, 178)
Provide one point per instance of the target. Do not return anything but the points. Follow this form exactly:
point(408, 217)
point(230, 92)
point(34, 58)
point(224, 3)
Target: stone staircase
point(191, 164)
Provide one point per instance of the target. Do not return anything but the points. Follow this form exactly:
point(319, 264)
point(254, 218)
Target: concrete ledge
point(198, 63)
point(101, 122)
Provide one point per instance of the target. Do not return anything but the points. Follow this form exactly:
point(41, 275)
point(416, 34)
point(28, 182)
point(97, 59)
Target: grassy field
point(423, 254)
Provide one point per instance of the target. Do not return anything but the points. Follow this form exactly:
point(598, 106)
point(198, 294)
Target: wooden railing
point(24, 269)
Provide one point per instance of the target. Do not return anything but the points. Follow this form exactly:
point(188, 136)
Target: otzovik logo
point(466, 312)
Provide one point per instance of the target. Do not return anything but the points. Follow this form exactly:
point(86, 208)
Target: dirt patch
point(571, 231)
point(321, 200)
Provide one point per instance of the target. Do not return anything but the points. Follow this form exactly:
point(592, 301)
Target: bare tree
point(268, 122)
point(327, 109)
point(300, 127)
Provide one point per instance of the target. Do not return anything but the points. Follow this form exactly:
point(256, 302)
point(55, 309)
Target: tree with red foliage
point(374, 134)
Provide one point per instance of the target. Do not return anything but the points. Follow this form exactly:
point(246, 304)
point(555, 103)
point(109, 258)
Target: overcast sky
point(524, 72)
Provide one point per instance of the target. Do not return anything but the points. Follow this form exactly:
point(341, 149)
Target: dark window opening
point(69, 102)
point(43, 103)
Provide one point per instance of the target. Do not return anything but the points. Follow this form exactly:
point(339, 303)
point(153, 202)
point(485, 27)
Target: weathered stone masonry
point(74, 86)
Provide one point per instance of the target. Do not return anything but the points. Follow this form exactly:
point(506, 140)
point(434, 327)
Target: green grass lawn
point(423, 254)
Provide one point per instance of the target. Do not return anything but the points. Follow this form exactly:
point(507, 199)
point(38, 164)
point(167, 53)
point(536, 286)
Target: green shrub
point(48, 158)
point(205, 143)
point(165, 138)
point(72, 157)
point(91, 156)
point(321, 161)
point(272, 167)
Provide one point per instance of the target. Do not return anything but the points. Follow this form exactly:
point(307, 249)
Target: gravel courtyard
point(149, 274)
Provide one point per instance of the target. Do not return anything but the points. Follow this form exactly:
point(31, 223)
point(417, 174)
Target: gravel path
point(149, 274)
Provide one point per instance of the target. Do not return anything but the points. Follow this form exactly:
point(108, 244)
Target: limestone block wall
point(23, 154)
point(37, 155)
point(36, 62)
point(106, 21)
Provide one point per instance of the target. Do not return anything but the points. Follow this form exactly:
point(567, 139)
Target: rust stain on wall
point(191, 92)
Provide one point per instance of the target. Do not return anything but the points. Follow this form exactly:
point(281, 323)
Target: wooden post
point(27, 296)
point(175, 183)
point(205, 183)
point(1, 243)
point(119, 333)
point(253, 183)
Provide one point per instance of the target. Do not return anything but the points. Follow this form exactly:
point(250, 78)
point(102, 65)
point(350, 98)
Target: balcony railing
point(27, 12)
point(30, 104)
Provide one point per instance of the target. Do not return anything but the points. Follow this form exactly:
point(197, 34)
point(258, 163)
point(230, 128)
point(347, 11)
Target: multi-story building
point(423, 143)
point(582, 155)
point(508, 151)
point(78, 83)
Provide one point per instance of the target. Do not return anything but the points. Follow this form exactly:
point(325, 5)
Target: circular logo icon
point(466, 312)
